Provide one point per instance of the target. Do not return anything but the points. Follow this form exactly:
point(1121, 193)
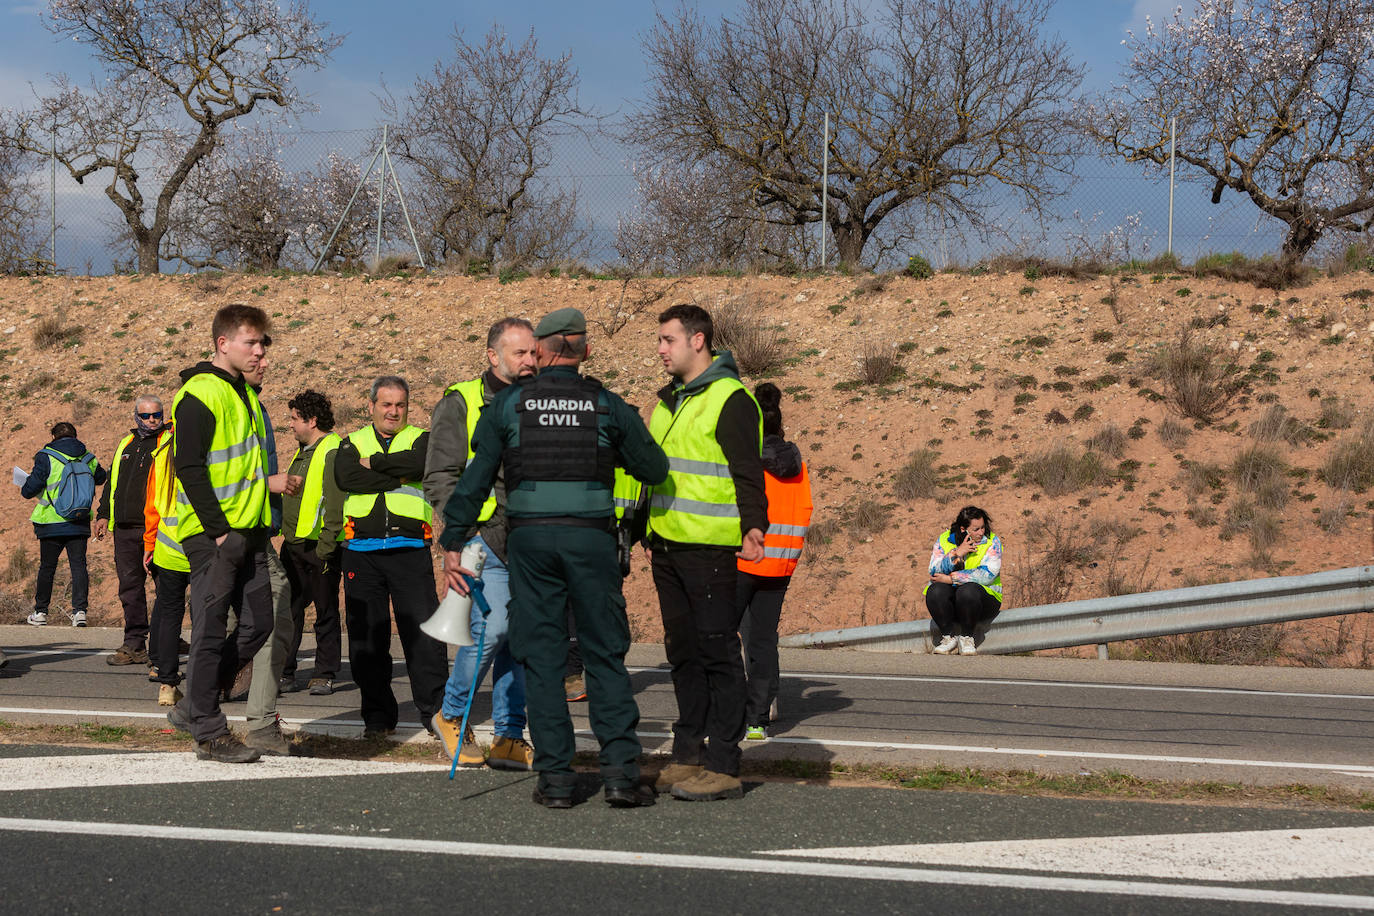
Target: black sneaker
point(288, 684)
point(558, 802)
point(629, 796)
point(226, 749)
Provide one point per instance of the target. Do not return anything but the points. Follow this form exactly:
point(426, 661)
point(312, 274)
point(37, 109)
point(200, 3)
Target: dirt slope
point(995, 369)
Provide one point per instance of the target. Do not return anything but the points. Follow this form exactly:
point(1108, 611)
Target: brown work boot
point(675, 773)
point(446, 730)
point(269, 740)
point(126, 656)
point(226, 749)
point(708, 785)
point(470, 754)
point(510, 754)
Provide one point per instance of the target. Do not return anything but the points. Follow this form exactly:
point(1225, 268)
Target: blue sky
point(396, 41)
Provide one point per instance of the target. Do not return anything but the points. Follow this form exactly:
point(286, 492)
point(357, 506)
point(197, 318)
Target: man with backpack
point(64, 478)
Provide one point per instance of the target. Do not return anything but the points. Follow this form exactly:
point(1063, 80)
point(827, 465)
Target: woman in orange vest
point(763, 583)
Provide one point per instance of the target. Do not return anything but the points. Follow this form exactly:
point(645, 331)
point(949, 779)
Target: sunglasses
point(157, 415)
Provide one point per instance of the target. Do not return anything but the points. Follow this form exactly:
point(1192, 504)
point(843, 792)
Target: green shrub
point(919, 268)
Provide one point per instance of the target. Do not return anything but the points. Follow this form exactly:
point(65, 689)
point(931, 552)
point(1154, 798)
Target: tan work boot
point(708, 786)
point(168, 695)
point(470, 754)
point(510, 754)
point(446, 730)
point(675, 773)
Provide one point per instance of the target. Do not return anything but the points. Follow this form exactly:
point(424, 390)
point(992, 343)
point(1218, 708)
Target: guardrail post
point(1102, 651)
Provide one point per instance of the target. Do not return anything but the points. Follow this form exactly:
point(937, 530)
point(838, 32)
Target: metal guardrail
point(1104, 620)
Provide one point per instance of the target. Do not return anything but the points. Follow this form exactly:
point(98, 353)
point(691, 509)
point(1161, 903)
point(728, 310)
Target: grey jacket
point(448, 455)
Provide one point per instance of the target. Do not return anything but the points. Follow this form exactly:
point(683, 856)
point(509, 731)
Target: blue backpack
point(75, 486)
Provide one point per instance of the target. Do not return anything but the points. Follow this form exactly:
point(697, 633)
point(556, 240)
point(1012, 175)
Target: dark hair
point(237, 315)
point(968, 514)
point(505, 324)
point(565, 346)
point(311, 405)
point(63, 430)
point(770, 405)
point(695, 320)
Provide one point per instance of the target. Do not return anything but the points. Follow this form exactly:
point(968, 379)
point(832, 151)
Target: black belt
point(606, 524)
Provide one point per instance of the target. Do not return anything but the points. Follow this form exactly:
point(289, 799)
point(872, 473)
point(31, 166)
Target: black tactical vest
point(559, 436)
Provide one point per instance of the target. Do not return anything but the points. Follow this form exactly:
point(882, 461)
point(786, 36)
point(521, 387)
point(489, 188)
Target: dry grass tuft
point(1350, 465)
point(880, 364)
point(1062, 469)
point(1109, 439)
point(50, 333)
point(756, 346)
point(1173, 433)
point(1276, 424)
point(1238, 646)
point(1259, 472)
point(919, 478)
point(1202, 379)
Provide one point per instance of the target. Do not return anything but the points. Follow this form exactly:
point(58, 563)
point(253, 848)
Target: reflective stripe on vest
point(973, 561)
point(167, 550)
point(697, 503)
point(310, 519)
point(473, 394)
point(405, 501)
point(789, 517)
point(236, 460)
point(114, 476)
point(44, 513)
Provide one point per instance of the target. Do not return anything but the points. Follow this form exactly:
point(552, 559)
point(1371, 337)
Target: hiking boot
point(948, 646)
point(574, 688)
point(709, 786)
point(321, 686)
point(288, 684)
point(675, 773)
point(169, 695)
point(126, 656)
point(152, 672)
point(446, 730)
point(179, 718)
point(239, 689)
point(37, 619)
point(226, 749)
point(78, 618)
point(755, 733)
point(629, 796)
point(510, 754)
point(966, 646)
point(377, 732)
point(470, 754)
point(269, 740)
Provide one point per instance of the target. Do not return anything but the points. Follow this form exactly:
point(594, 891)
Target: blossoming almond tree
point(176, 71)
point(1274, 100)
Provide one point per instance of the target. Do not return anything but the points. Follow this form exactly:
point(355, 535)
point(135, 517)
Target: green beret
point(562, 321)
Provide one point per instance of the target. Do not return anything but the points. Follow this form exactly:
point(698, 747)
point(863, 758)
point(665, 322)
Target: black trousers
point(958, 609)
point(376, 584)
point(574, 666)
point(696, 596)
point(312, 582)
point(133, 580)
point(169, 612)
point(234, 572)
point(556, 570)
point(49, 549)
point(759, 602)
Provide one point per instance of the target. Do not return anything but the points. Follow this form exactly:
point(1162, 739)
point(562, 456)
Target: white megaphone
point(452, 622)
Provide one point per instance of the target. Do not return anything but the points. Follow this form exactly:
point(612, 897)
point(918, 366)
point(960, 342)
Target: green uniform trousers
point(553, 567)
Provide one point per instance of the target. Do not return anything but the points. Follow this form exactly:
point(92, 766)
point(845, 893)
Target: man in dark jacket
point(121, 512)
point(56, 532)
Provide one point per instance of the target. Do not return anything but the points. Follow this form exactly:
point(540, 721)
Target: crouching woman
point(965, 587)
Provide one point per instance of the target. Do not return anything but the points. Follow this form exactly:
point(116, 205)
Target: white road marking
point(27, 774)
point(343, 725)
point(1252, 855)
point(782, 867)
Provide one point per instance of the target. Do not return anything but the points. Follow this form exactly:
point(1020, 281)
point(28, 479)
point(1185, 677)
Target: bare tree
point(703, 216)
point(934, 103)
point(238, 209)
point(1274, 100)
point(479, 131)
point(177, 71)
point(20, 238)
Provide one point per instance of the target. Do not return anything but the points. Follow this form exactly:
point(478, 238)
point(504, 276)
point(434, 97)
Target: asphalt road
point(1252, 725)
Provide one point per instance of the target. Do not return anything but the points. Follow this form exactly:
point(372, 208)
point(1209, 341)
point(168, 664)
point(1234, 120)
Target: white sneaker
point(947, 646)
point(38, 620)
point(966, 646)
point(78, 618)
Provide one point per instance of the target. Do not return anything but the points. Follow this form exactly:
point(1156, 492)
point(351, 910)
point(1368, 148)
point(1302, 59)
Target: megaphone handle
point(475, 587)
point(476, 676)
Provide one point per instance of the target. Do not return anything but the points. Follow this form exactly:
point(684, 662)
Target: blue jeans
point(508, 676)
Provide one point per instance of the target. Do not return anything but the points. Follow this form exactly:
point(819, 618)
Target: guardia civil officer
point(712, 506)
point(559, 438)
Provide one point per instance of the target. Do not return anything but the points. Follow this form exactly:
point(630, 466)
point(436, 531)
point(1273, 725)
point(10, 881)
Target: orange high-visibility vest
point(789, 515)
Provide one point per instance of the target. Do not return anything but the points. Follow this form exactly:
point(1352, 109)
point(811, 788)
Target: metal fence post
point(825, 183)
point(381, 199)
point(52, 201)
point(1173, 128)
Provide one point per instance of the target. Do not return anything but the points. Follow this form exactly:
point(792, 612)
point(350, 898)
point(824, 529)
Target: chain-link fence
point(302, 183)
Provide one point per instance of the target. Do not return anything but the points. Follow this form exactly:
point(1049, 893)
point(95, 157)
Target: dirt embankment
point(993, 371)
